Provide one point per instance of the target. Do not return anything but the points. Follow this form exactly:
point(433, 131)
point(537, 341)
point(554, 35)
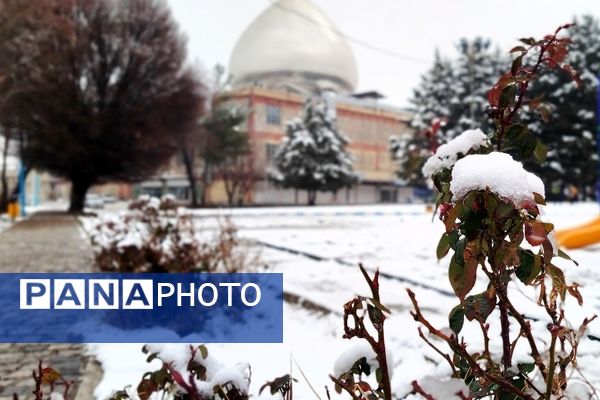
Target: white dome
point(293, 43)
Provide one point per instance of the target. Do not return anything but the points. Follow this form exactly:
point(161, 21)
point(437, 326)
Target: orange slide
point(580, 236)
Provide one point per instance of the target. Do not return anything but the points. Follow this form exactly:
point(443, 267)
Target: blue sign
point(141, 308)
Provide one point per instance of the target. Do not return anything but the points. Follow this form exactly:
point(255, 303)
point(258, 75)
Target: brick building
point(363, 120)
point(290, 51)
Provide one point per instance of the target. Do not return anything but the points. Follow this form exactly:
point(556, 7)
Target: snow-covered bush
point(189, 373)
point(154, 235)
point(492, 211)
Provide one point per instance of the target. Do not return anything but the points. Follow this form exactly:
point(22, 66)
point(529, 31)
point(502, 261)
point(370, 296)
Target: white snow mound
point(498, 172)
point(447, 154)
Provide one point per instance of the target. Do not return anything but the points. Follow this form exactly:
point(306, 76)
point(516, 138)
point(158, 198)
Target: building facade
point(365, 122)
point(290, 52)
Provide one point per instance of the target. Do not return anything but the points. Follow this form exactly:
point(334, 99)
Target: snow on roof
point(498, 172)
point(447, 154)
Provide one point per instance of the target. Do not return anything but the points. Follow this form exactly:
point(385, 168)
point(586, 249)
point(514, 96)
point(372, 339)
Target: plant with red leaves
point(486, 232)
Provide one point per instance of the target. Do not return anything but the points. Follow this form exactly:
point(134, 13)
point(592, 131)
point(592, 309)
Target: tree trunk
point(230, 195)
point(188, 161)
point(205, 180)
point(4, 194)
point(228, 183)
point(79, 188)
point(312, 197)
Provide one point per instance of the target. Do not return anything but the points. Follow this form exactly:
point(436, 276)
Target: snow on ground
point(401, 240)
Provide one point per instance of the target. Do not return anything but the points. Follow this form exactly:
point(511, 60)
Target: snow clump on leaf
point(499, 173)
point(447, 154)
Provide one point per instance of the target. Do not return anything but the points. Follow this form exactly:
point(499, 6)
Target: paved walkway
point(46, 242)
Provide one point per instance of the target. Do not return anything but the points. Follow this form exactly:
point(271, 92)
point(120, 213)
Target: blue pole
point(22, 198)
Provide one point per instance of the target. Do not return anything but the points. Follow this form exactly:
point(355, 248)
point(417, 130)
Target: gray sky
point(408, 27)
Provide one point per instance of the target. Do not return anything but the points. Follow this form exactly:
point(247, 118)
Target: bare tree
point(20, 23)
point(108, 93)
point(239, 176)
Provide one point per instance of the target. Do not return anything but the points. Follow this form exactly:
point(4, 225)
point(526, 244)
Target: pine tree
point(432, 104)
point(313, 155)
point(570, 129)
point(451, 98)
point(476, 71)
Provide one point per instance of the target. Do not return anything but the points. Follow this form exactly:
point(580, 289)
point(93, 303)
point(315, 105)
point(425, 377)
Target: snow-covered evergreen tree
point(451, 98)
point(313, 155)
point(570, 131)
point(475, 71)
point(432, 100)
point(431, 103)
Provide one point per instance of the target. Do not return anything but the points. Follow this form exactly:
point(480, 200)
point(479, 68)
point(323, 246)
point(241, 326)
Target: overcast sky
point(406, 27)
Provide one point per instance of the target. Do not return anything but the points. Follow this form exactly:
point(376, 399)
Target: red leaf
point(573, 74)
point(494, 95)
point(535, 233)
point(462, 277)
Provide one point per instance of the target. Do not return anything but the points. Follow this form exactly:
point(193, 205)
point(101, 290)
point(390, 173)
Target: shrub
point(154, 235)
point(491, 210)
point(189, 373)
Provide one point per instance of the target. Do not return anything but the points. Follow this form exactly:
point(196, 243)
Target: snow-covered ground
point(5, 222)
point(317, 250)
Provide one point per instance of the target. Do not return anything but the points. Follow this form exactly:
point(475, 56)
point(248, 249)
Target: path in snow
point(46, 242)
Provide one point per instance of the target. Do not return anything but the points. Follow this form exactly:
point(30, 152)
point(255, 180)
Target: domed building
point(294, 45)
point(293, 50)
point(290, 51)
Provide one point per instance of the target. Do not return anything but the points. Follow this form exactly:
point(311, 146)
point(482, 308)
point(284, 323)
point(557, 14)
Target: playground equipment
point(580, 236)
point(589, 233)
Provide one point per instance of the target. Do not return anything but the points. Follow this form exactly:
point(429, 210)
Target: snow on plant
point(189, 372)
point(154, 235)
point(499, 173)
point(369, 358)
point(447, 154)
point(490, 207)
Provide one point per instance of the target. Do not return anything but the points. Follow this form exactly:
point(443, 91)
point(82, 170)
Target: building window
point(271, 149)
point(273, 114)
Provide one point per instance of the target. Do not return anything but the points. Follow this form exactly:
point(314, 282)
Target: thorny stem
point(501, 288)
point(505, 330)
point(526, 330)
point(38, 382)
point(417, 389)
point(461, 351)
point(356, 328)
point(525, 327)
point(486, 341)
point(344, 387)
point(441, 353)
point(550, 380)
point(505, 121)
point(379, 347)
